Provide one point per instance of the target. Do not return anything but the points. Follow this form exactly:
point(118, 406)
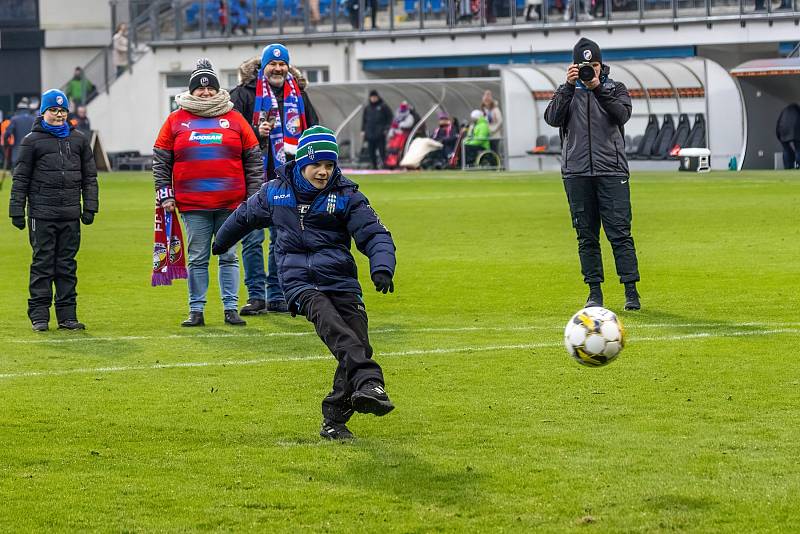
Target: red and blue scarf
point(286, 131)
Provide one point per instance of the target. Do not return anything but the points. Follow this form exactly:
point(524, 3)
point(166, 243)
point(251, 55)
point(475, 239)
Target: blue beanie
point(316, 144)
point(53, 99)
point(274, 52)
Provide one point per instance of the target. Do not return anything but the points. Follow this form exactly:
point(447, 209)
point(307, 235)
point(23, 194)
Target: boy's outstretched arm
point(374, 240)
point(251, 214)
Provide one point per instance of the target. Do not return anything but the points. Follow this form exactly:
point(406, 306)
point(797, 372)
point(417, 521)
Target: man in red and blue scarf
point(272, 99)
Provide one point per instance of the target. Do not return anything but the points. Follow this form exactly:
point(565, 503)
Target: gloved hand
point(383, 282)
point(216, 250)
point(87, 217)
point(19, 222)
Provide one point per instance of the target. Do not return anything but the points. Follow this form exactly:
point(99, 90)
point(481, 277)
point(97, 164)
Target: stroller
point(394, 148)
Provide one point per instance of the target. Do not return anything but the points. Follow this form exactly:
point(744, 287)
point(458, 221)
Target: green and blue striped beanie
point(316, 144)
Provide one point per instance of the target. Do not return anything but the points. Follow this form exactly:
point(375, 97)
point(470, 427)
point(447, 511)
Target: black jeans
point(606, 200)
point(341, 322)
point(54, 244)
point(377, 150)
point(791, 153)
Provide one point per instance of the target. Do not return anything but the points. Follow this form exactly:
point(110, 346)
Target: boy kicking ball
point(316, 212)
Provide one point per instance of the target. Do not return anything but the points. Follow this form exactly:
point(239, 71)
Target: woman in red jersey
point(206, 161)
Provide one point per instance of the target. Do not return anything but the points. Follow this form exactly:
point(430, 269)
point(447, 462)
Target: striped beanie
point(203, 76)
point(316, 144)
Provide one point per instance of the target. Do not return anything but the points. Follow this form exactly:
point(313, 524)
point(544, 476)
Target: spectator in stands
point(477, 138)
point(590, 115)
point(375, 123)
point(354, 7)
point(271, 96)
point(491, 110)
point(20, 126)
point(54, 172)
point(314, 17)
point(533, 6)
point(788, 131)
point(120, 49)
point(206, 161)
point(403, 119)
point(446, 133)
point(79, 89)
point(81, 122)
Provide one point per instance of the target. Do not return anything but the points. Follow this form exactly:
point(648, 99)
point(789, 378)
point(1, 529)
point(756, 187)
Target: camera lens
point(586, 73)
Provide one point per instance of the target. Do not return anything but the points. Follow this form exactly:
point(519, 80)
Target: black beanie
point(203, 76)
point(586, 50)
point(374, 93)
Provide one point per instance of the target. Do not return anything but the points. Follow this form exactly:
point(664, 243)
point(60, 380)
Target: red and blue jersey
point(207, 171)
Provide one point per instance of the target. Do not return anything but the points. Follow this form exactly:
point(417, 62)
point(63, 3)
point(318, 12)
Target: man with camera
point(590, 110)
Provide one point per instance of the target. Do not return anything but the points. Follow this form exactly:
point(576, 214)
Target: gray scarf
point(217, 105)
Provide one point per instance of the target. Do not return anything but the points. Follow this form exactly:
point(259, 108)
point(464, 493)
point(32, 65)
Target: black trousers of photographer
point(54, 244)
point(606, 201)
point(341, 322)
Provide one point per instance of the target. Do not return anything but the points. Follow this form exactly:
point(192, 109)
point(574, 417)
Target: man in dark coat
point(317, 213)
point(54, 172)
point(375, 123)
point(21, 124)
point(788, 131)
point(263, 289)
point(590, 114)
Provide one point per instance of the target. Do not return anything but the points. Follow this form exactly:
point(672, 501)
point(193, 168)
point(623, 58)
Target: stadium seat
point(697, 135)
point(645, 145)
point(681, 133)
point(661, 144)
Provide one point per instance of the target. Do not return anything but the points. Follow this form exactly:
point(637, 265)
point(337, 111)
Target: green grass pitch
point(139, 425)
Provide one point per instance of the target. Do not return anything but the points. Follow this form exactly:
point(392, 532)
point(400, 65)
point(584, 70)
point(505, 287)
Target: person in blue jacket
point(316, 212)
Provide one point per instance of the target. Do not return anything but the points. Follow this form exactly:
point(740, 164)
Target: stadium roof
point(768, 67)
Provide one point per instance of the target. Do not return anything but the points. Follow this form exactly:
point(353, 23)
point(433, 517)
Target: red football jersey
point(207, 170)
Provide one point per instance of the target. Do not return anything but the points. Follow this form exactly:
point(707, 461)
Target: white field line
point(45, 340)
point(413, 352)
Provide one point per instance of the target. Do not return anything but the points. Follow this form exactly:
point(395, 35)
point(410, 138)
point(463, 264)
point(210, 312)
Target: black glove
point(19, 222)
point(87, 217)
point(383, 282)
point(216, 250)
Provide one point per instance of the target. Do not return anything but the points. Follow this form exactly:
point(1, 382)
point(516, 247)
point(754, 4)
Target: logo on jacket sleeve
point(212, 138)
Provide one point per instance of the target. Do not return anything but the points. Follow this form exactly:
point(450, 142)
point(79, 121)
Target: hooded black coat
point(52, 175)
point(376, 119)
point(788, 127)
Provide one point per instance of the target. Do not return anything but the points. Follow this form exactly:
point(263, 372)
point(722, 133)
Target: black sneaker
point(195, 319)
point(277, 306)
point(232, 318)
point(371, 398)
point(595, 298)
point(632, 297)
point(40, 326)
point(254, 307)
point(71, 324)
point(335, 431)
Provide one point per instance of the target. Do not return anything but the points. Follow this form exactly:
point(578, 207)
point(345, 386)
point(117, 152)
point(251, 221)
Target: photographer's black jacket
point(591, 126)
point(51, 176)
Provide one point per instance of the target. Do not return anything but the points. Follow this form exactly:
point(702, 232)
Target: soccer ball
point(594, 336)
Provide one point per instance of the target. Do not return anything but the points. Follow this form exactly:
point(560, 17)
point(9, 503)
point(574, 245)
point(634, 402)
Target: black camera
point(585, 72)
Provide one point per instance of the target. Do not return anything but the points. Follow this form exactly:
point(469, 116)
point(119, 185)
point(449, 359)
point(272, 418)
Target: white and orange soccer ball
point(594, 336)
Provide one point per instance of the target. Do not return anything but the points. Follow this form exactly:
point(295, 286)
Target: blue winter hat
point(274, 52)
point(53, 99)
point(316, 144)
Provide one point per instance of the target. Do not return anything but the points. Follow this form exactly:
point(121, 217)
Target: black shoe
point(595, 298)
point(40, 326)
point(277, 306)
point(70, 324)
point(195, 319)
point(335, 431)
point(371, 398)
point(232, 318)
point(254, 307)
point(632, 297)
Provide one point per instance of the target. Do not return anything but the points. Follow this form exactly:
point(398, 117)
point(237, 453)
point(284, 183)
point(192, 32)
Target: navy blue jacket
point(312, 249)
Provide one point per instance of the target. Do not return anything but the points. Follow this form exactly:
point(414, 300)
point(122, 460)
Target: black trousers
point(54, 244)
point(791, 153)
point(606, 200)
point(341, 322)
point(377, 150)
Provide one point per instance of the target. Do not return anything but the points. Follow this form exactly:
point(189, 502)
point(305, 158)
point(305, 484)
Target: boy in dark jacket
point(316, 212)
point(55, 169)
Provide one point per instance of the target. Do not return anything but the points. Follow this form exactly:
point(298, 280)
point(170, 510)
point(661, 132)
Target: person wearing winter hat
point(20, 126)
point(206, 161)
point(316, 212)
point(590, 110)
point(55, 171)
point(271, 96)
point(447, 134)
point(376, 119)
